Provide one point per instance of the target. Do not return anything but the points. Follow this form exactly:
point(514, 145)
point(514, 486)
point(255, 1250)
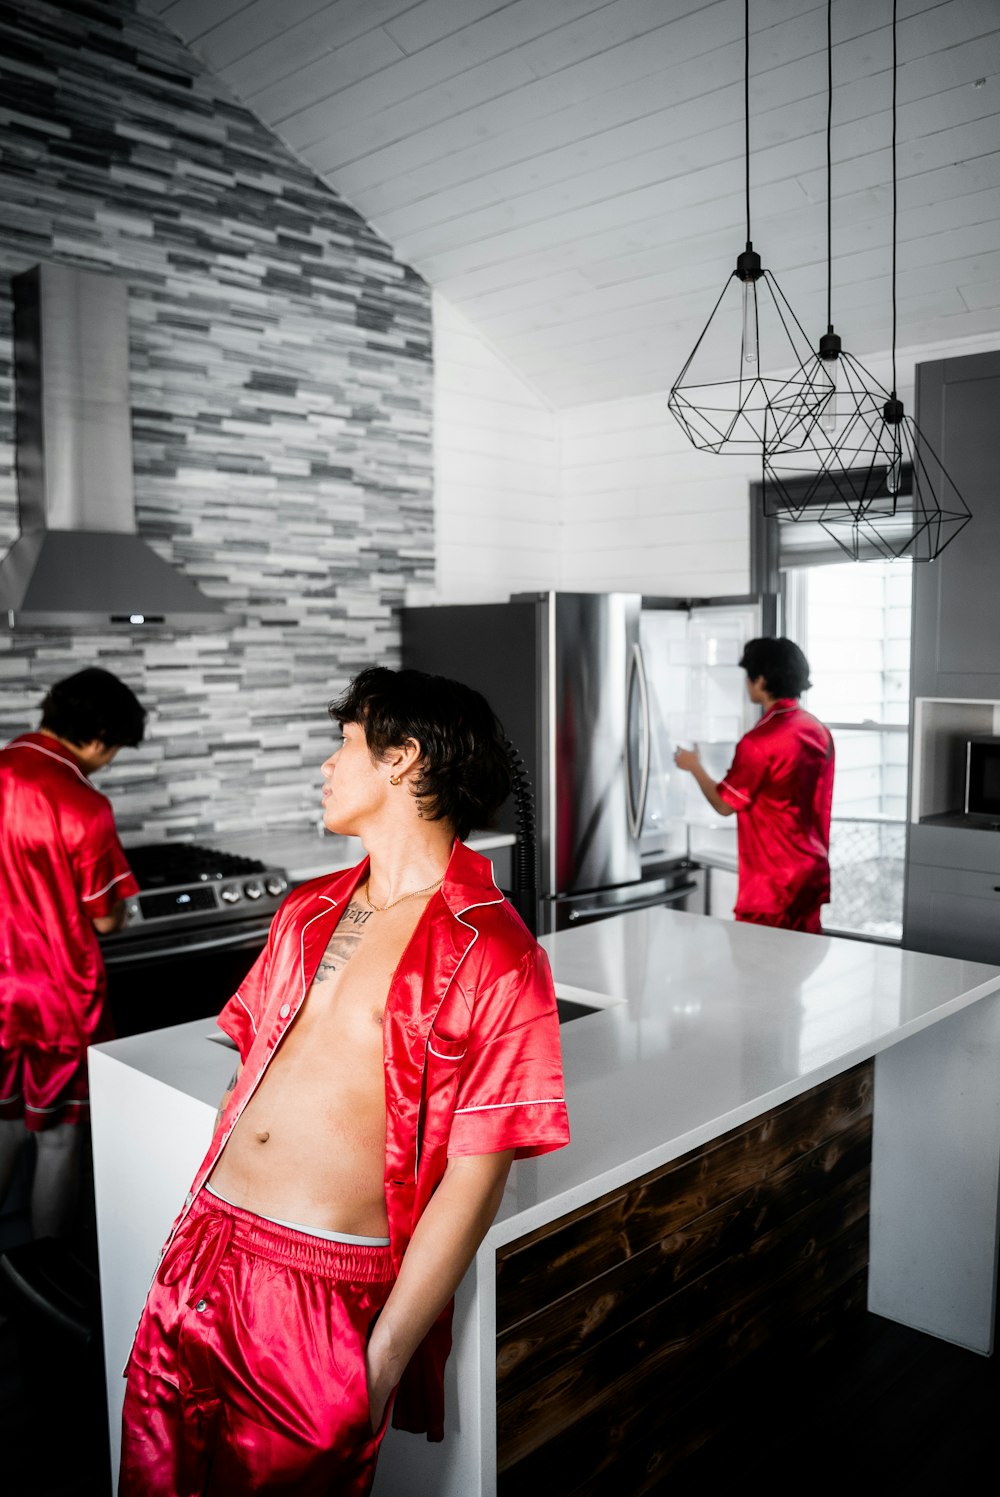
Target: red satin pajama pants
point(248, 1369)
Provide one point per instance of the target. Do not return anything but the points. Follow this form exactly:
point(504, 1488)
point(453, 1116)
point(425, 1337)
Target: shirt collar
point(53, 747)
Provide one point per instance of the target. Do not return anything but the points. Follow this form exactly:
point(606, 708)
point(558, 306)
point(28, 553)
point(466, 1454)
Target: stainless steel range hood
point(78, 562)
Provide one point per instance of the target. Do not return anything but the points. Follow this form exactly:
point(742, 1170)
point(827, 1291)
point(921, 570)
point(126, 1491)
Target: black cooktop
point(161, 865)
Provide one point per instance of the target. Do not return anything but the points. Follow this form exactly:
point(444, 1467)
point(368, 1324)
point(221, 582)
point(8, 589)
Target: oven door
point(156, 980)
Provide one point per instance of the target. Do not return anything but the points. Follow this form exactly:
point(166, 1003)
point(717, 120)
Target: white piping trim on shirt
point(772, 713)
point(440, 1054)
point(116, 880)
point(253, 1021)
point(496, 1106)
point(73, 1102)
point(733, 790)
point(59, 760)
point(480, 904)
point(302, 941)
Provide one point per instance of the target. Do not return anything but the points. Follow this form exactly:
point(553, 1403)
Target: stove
point(200, 918)
point(182, 882)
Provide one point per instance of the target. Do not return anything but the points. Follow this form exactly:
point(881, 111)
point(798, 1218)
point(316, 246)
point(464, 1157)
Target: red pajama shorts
point(45, 1088)
point(248, 1368)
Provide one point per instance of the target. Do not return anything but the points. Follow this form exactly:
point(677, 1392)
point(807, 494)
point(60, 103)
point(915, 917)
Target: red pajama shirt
point(780, 784)
point(61, 865)
point(472, 1066)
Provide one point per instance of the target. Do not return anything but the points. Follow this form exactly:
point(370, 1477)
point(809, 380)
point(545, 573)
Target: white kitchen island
point(706, 1025)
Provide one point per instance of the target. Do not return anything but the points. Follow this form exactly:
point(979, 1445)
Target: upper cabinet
point(956, 621)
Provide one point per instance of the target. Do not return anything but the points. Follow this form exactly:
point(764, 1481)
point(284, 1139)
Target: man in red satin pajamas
point(399, 1047)
point(63, 878)
point(780, 785)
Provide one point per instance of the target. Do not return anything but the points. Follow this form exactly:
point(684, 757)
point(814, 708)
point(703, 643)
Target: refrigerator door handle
point(636, 804)
point(651, 902)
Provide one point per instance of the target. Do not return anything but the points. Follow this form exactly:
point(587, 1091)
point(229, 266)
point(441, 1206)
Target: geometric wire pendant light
point(890, 523)
point(751, 328)
point(841, 461)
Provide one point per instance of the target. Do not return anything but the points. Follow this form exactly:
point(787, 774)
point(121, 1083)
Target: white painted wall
point(600, 497)
point(643, 511)
point(496, 464)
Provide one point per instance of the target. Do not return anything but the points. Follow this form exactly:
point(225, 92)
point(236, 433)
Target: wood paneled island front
point(768, 1129)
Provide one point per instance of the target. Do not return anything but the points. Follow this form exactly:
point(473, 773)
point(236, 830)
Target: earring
point(395, 779)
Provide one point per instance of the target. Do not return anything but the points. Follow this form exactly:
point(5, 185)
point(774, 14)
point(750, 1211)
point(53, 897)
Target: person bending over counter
point(63, 879)
point(399, 1046)
point(780, 786)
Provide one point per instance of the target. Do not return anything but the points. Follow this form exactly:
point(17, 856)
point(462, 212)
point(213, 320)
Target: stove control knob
point(275, 885)
point(254, 889)
point(230, 894)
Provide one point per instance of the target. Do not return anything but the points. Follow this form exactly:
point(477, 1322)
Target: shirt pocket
point(442, 1070)
point(442, 1049)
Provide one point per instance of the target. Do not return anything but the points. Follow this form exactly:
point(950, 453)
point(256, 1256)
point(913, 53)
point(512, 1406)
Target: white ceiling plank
point(792, 126)
point(575, 254)
point(776, 165)
point(267, 41)
point(972, 219)
point(962, 256)
point(448, 61)
point(283, 88)
point(658, 57)
point(581, 164)
point(188, 17)
point(338, 131)
point(662, 58)
point(419, 26)
point(569, 173)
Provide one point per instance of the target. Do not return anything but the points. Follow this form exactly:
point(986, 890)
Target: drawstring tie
point(211, 1235)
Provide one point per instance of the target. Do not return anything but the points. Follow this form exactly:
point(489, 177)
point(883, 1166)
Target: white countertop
point(308, 852)
point(721, 1021)
point(708, 1024)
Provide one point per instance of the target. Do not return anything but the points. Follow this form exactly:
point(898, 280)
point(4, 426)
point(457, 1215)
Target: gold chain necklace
point(381, 908)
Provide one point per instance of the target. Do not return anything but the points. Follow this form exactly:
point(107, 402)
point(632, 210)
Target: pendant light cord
point(829, 165)
point(746, 101)
point(894, 199)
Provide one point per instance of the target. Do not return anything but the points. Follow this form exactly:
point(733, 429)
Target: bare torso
point(309, 1146)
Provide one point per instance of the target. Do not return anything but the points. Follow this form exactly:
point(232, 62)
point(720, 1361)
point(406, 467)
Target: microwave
point(982, 777)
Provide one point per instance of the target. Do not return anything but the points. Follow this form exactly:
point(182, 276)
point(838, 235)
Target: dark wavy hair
point(94, 704)
point(782, 664)
point(465, 771)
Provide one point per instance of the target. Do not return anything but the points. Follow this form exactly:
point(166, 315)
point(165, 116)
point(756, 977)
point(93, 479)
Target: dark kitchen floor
point(881, 1409)
point(53, 1419)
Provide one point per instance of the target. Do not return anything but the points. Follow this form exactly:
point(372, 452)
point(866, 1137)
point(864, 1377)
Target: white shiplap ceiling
point(570, 173)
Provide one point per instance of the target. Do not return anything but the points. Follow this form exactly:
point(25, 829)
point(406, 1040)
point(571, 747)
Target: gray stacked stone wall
point(281, 405)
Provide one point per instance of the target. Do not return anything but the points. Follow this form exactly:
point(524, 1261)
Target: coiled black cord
point(524, 864)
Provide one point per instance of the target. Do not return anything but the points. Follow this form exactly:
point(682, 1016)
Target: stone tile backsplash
point(281, 386)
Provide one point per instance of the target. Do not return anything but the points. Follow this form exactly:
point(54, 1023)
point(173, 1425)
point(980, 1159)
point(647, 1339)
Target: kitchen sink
point(576, 1003)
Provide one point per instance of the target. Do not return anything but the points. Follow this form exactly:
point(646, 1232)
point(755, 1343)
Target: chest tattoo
point(343, 943)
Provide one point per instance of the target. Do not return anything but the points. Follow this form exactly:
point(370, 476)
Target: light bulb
point(830, 413)
point(749, 322)
point(894, 473)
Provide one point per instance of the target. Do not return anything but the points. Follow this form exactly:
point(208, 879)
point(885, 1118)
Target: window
point(852, 619)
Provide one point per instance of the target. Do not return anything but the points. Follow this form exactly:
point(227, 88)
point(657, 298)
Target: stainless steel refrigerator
point(595, 690)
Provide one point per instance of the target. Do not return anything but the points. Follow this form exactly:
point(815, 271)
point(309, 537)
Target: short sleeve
point(240, 1018)
point(744, 776)
point(510, 1092)
point(102, 872)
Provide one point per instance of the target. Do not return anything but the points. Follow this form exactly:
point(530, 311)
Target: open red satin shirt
point(780, 784)
point(61, 864)
point(472, 1054)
